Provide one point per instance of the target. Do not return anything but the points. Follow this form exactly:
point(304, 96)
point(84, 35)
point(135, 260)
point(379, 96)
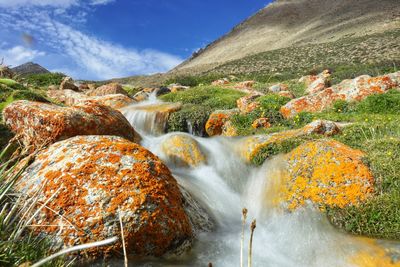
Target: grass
point(209, 96)
point(17, 244)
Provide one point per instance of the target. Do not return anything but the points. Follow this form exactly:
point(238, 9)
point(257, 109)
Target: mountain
point(297, 23)
point(29, 68)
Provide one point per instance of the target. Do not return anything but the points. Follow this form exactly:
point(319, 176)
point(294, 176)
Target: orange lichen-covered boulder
point(183, 150)
point(89, 182)
point(71, 98)
point(348, 90)
point(107, 89)
point(220, 82)
point(246, 84)
point(326, 173)
point(37, 124)
point(248, 103)
point(217, 120)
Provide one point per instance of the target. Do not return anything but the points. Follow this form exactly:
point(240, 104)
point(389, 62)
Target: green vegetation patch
point(44, 79)
point(208, 96)
point(190, 119)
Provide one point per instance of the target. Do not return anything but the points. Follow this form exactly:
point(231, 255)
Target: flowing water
point(225, 185)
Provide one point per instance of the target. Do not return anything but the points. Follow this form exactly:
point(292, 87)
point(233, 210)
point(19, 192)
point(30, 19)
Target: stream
point(224, 185)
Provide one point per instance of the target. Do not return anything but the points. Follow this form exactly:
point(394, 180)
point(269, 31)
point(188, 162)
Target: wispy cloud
point(54, 3)
point(90, 57)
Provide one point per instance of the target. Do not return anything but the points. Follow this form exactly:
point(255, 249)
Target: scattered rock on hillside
point(183, 150)
point(107, 89)
point(93, 181)
point(220, 82)
point(38, 124)
point(348, 90)
point(68, 83)
point(71, 98)
point(217, 120)
point(276, 88)
point(287, 94)
point(247, 104)
point(177, 88)
point(326, 173)
point(261, 123)
point(253, 145)
point(245, 84)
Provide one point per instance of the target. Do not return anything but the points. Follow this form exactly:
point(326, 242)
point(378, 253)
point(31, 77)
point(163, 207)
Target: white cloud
point(54, 3)
point(18, 55)
point(101, 2)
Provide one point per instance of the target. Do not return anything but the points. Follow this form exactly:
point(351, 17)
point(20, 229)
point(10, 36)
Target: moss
point(273, 149)
point(32, 95)
point(131, 90)
point(191, 118)
point(209, 96)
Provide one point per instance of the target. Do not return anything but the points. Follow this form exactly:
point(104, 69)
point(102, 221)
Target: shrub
point(269, 107)
point(44, 79)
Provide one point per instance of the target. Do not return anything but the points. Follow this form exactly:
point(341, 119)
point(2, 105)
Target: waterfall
point(225, 184)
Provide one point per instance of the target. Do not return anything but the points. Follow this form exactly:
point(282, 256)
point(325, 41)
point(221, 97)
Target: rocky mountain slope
point(296, 23)
point(29, 68)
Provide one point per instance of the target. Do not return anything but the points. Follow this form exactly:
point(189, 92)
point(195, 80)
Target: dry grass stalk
point(252, 228)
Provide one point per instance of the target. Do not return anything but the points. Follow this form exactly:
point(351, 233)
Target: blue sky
point(102, 39)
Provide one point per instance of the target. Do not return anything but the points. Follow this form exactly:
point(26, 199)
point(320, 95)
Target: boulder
point(183, 150)
point(71, 98)
point(141, 96)
point(247, 104)
point(327, 174)
point(261, 123)
point(162, 91)
point(90, 183)
point(348, 90)
point(107, 89)
point(251, 146)
point(68, 83)
point(217, 120)
point(276, 88)
point(39, 124)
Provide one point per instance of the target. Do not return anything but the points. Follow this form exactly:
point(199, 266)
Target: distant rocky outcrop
point(29, 68)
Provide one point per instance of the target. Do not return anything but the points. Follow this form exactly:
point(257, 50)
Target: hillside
point(289, 23)
point(29, 68)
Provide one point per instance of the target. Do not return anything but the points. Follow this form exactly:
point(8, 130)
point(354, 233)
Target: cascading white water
point(224, 186)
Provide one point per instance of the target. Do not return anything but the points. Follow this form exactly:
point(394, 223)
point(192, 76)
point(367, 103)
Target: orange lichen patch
point(327, 173)
point(252, 145)
point(183, 150)
point(220, 82)
point(113, 177)
point(217, 120)
point(348, 90)
point(229, 129)
point(287, 94)
point(261, 123)
point(245, 84)
point(39, 124)
point(374, 255)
